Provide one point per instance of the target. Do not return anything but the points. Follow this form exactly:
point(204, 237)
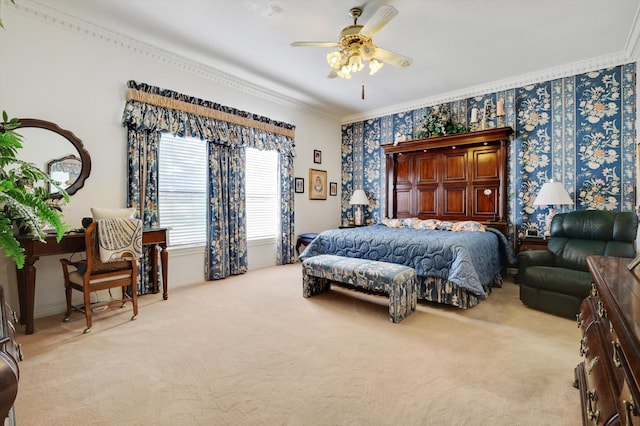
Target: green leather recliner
point(556, 280)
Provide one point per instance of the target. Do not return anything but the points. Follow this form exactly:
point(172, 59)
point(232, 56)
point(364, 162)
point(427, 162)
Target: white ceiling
point(455, 44)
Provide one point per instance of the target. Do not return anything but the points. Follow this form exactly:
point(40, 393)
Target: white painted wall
point(71, 77)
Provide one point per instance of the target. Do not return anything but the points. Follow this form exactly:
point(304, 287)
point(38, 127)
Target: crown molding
point(632, 45)
point(53, 16)
point(575, 68)
point(631, 53)
point(39, 10)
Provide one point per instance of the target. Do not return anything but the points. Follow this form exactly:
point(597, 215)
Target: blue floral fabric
point(226, 249)
point(578, 130)
point(470, 260)
point(398, 281)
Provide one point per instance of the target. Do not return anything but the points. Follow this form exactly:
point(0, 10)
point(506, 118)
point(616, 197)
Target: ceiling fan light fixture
point(355, 63)
point(374, 66)
point(367, 50)
point(345, 73)
point(334, 59)
point(355, 46)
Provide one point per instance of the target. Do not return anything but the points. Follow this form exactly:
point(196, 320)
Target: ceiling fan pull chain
point(363, 92)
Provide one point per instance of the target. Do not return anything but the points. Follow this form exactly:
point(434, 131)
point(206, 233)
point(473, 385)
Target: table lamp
point(488, 193)
point(552, 194)
point(359, 198)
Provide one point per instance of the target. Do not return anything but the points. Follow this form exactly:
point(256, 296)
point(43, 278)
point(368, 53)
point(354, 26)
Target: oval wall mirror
point(57, 151)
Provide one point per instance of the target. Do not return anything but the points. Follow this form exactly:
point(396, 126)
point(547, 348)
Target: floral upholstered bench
point(398, 281)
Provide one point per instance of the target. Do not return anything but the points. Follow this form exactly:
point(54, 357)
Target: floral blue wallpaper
point(578, 130)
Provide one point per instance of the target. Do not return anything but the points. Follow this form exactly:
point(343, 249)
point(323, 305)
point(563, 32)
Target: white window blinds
point(262, 189)
point(182, 191)
point(182, 188)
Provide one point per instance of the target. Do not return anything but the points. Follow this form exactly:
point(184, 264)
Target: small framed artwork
point(317, 184)
point(333, 189)
point(299, 185)
point(317, 156)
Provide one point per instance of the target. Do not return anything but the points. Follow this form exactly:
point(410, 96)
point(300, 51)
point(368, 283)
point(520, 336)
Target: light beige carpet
point(250, 350)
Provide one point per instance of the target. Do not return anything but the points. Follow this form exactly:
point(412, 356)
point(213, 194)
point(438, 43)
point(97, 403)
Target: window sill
point(261, 242)
point(196, 248)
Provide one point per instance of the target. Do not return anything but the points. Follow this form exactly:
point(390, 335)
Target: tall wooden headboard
point(456, 177)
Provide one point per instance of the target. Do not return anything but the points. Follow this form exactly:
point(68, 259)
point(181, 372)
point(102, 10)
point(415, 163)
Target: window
point(182, 189)
point(262, 184)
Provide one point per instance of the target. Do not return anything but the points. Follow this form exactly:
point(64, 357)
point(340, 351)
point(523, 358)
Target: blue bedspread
point(470, 260)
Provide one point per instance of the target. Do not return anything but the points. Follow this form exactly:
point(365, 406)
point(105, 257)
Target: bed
point(454, 267)
point(453, 179)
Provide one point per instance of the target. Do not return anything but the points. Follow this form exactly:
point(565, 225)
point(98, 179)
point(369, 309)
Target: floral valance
point(154, 109)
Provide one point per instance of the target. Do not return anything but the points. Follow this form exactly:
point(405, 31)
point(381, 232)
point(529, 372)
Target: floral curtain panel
point(142, 156)
point(285, 252)
point(150, 110)
point(227, 236)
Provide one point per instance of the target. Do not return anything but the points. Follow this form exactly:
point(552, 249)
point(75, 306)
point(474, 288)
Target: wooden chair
point(92, 274)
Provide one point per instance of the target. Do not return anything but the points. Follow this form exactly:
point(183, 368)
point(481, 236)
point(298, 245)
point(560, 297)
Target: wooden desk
point(71, 243)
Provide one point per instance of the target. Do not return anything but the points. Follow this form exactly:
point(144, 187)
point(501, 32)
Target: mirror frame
point(85, 159)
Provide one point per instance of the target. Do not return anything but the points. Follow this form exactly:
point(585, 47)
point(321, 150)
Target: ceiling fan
point(355, 45)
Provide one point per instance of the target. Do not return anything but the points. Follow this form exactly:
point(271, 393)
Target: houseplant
point(439, 122)
point(26, 206)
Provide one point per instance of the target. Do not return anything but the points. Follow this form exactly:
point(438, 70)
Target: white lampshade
point(553, 194)
point(359, 197)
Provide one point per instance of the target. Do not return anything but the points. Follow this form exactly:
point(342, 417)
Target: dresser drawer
point(600, 392)
point(10, 354)
point(609, 376)
point(628, 397)
point(7, 342)
point(628, 406)
point(587, 314)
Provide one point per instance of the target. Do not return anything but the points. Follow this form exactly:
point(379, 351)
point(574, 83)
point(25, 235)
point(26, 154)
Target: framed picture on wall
point(299, 188)
point(317, 184)
point(333, 189)
point(317, 156)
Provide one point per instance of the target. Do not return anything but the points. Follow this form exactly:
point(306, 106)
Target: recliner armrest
point(529, 258)
point(535, 258)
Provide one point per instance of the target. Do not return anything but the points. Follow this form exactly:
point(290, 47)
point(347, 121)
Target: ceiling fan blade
point(392, 58)
point(314, 44)
point(379, 19)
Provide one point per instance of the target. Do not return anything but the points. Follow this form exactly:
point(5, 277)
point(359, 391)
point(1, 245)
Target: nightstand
point(529, 243)
point(304, 240)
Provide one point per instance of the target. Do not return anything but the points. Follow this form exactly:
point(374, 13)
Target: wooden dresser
point(609, 376)
point(10, 354)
